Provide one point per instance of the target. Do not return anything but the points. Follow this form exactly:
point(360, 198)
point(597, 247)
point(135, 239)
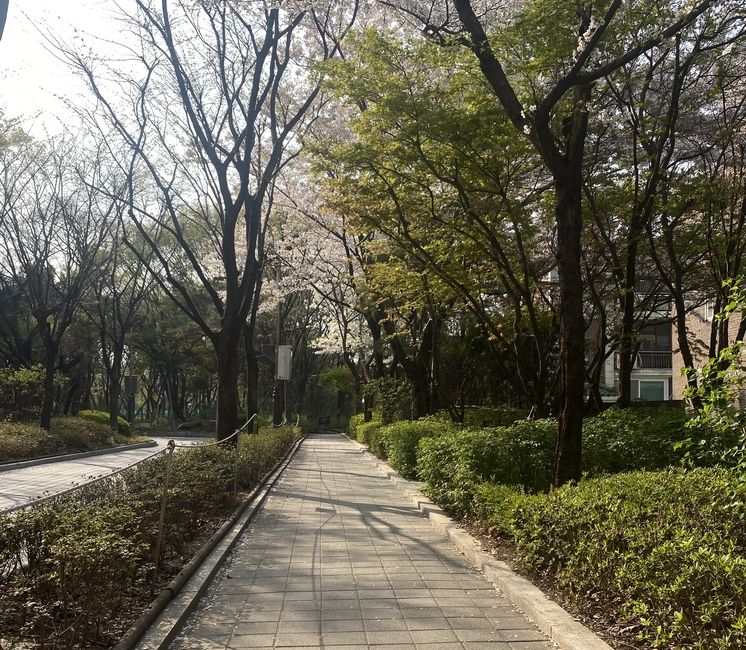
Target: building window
point(652, 390)
point(708, 310)
point(656, 337)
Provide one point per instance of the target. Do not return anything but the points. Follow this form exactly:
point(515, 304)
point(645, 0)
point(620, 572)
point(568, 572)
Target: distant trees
point(53, 225)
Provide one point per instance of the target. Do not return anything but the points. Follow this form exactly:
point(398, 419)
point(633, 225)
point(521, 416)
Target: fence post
point(161, 523)
point(235, 471)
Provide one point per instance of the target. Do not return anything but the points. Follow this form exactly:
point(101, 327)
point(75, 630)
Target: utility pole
point(277, 390)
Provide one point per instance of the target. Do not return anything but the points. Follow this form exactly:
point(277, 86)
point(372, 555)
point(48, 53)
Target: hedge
point(661, 552)
point(620, 440)
point(452, 465)
point(67, 435)
point(369, 433)
point(401, 439)
point(103, 418)
point(70, 566)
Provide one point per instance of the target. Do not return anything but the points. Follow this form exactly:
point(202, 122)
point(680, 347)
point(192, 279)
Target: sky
point(32, 80)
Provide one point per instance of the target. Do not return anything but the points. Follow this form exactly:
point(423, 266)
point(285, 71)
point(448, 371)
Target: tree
point(224, 94)
point(52, 225)
point(433, 167)
point(117, 304)
point(547, 101)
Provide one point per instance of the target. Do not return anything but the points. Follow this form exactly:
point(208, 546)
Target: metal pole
point(164, 500)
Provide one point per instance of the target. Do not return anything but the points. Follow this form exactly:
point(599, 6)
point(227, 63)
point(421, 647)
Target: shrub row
point(452, 459)
point(102, 417)
point(70, 566)
point(69, 434)
point(662, 553)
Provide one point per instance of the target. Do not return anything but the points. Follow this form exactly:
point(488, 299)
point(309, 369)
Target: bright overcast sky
point(31, 79)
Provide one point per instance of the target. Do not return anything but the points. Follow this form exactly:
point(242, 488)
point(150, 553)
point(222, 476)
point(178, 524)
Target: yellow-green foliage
point(102, 417)
point(67, 435)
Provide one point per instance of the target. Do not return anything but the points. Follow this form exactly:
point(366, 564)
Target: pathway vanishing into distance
point(19, 486)
point(339, 558)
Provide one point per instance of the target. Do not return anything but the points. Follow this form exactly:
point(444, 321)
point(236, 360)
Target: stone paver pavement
point(338, 558)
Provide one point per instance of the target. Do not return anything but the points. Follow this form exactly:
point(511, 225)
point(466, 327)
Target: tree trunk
point(114, 391)
point(252, 377)
point(627, 344)
point(226, 350)
point(572, 328)
point(50, 365)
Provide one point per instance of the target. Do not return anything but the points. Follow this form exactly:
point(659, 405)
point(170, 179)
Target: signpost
point(131, 388)
point(283, 365)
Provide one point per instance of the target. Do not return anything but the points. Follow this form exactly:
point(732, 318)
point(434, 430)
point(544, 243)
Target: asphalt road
point(20, 486)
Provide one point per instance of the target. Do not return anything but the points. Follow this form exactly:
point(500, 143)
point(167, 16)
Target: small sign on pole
point(284, 362)
point(131, 384)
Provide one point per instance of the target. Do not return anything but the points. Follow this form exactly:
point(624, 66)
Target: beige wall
point(698, 333)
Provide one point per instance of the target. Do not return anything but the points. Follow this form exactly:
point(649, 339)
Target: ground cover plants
point(77, 570)
point(645, 542)
point(21, 441)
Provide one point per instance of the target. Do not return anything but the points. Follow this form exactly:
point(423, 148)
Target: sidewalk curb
point(548, 616)
point(162, 621)
point(32, 462)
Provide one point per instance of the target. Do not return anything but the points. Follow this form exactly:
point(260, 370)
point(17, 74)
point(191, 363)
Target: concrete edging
point(44, 460)
point(549, 617)
point(162, 621)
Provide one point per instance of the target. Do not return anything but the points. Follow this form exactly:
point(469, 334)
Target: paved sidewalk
point(19, 486)
point(338, 558)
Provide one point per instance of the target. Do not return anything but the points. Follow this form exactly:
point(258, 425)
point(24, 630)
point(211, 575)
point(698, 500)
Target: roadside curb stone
point(550, 618)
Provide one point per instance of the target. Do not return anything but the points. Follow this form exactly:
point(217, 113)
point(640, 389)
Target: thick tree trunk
point(114, 382)
point(572, 328)
point(47, 405)
point(226, 349)
point(627, 344)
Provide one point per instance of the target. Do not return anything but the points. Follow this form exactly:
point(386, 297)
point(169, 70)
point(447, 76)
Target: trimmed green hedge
point(103, 418)
point(622, 440)
point(664, 551)
point(453, 465)
point(355, 421)
point(67, 435)
point(369, 433)
point(401, 439)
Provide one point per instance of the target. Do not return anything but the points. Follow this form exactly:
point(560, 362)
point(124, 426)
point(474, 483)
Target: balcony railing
point(652, 359)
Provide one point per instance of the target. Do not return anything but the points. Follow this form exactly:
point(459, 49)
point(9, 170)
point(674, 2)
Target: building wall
point(698, 326)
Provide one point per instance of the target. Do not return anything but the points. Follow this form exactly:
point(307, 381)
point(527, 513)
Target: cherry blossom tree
point(210, 102)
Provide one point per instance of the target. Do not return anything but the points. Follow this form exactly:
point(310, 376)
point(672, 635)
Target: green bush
point(103, 418)
point(369, 433)
point(494, 416)
point(19, 441)
point(355, 421)
point(620, 440)
point(665, 551)
point(71, 564)
point(21, 393)
point(452, 465)
point(400, 441)
point(67, 435)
